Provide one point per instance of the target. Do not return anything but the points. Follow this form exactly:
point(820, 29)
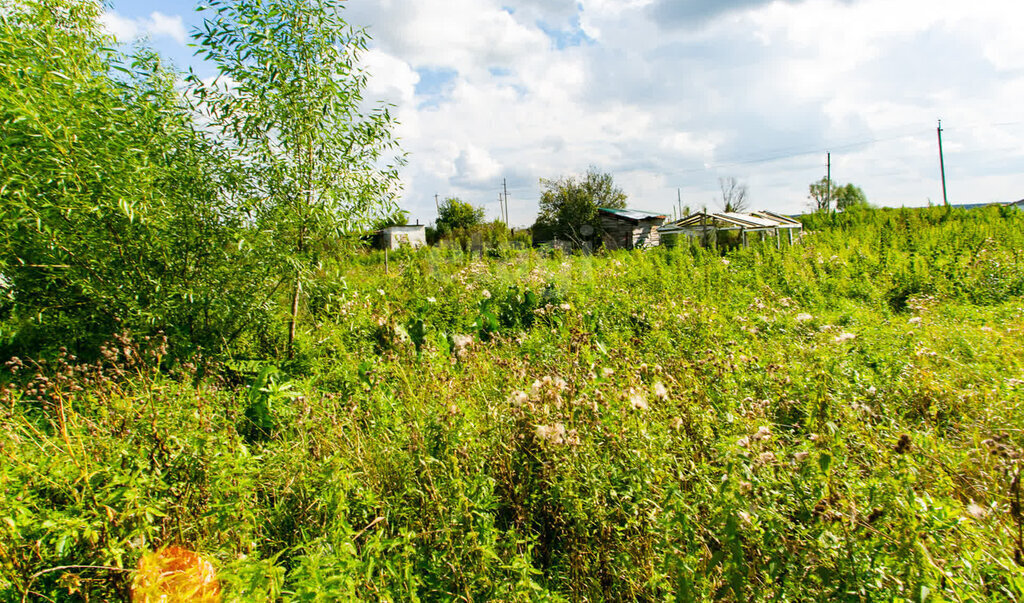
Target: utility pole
point(437, 205)
point(942, 166)
point(828, 182)
point(679, 201)
point(504, 185)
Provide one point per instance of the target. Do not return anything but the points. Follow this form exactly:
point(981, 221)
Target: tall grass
point(839, 420)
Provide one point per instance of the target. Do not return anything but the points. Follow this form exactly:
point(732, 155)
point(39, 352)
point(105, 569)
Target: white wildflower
point(431, 300)
point(803, 317)
point(486, 294)
point(553, 434)
point(977, 511)
point(660, 391)
point(913, 320)
point(462, 344)
point(801, 456)
point(763, 433)
point(637, 401)
point(743, 442)
point(845, 336)
point(766, 458)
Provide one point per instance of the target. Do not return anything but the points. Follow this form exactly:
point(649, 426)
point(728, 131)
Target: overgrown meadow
point(839, 420)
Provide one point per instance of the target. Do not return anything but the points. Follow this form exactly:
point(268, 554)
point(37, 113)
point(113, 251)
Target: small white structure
point(394, 237)
point(705, 228)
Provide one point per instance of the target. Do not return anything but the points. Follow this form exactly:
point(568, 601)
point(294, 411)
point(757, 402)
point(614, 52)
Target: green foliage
point(567, 205)
point(115, 209)
point(455, 214)
point(845, 197)
point(288, 99)
point(849, 196)
point(822, 422)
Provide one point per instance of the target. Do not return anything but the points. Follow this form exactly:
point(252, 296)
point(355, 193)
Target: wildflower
point(636, 400)
point(381, 292)
point(676, 424)
point(803, 317)
point(746, 487)
point(801, 456)
point(519, 398)
point(763, 433)
point(486, 294)
point(607, 372)
point(913, 320)
point(553, 434)
point(462, 344)
point(743, 442)
point(564, 306)
point(977, 511)
point(660, 391)
point(431, 300)
point(845, 336)
point(766, 458)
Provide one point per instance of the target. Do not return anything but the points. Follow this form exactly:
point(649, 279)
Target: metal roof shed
point(630, 228)
point(705, 227)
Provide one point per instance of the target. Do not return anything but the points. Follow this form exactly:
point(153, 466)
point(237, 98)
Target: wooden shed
point(731, 228)
point(630, 228)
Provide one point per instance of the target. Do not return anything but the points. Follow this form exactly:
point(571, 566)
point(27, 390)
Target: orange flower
point(175, 574)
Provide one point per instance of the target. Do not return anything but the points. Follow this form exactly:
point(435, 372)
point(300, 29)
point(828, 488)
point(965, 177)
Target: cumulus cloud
point(670, 95)
point(694, 13)
point(156, 25)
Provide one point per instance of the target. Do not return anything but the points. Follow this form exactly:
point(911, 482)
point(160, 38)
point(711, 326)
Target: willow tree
point(289, 97)
point(115, 210)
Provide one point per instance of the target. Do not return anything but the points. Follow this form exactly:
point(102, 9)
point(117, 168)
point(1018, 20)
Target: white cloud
point(758, 90)
point(155, 26)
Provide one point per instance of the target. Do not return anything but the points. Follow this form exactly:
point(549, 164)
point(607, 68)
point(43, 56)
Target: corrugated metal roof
point(755, 220)
point(633, 214)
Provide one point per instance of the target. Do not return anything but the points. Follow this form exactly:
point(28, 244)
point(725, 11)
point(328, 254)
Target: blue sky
point(671, 95)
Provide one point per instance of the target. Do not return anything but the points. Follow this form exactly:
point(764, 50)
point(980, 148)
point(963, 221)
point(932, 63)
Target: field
point(839, 420)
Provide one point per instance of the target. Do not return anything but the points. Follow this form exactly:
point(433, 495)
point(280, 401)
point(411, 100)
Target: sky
point(670, 96)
